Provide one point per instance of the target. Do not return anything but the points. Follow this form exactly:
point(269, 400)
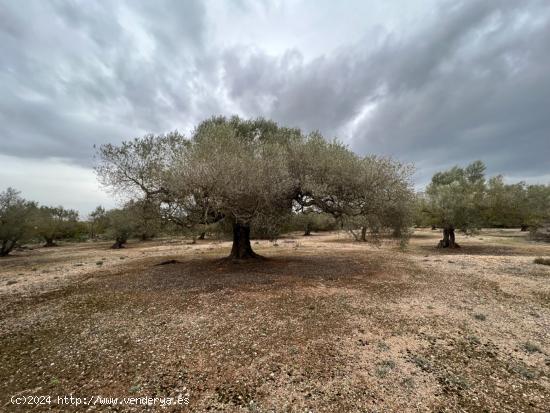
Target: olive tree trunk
point(119, 243)
point(448, 240)
point(307, 230)
point(6, 247)
point(49, 242)
point(364, 234)
point(242, 249)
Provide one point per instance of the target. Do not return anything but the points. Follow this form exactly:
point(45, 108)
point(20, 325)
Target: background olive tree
point(455, 200)
point(146, 216)
point(17, 220)
point(97, 222)
point(121, 226)
point(536, 207)
point(56, 223)
point(384, 198)
point(312, 220)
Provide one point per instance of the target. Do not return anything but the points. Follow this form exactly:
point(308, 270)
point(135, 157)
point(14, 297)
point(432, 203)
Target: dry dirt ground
point(324, 324)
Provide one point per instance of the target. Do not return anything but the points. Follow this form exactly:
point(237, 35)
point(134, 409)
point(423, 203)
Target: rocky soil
point(324, 324)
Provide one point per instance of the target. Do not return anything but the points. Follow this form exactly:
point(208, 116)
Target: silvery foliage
point(254, 172)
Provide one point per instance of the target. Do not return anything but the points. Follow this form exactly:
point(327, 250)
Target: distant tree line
point(22, 220)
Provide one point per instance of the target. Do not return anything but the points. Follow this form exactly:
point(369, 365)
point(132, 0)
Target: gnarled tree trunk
point(6, 247)
point(242, 249)
point(49, 242)
point(448, 240)
point(524, 227)
point(307, 230)
point(202, 235)
point(364, 234)
point(119, 243)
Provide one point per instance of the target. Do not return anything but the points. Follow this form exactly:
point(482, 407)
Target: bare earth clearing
point(324, 324)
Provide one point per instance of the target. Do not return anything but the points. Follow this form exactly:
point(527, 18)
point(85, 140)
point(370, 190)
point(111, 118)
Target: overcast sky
point(436, 83)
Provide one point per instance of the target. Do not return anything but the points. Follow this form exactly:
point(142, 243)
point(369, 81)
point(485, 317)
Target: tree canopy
point(253, 172)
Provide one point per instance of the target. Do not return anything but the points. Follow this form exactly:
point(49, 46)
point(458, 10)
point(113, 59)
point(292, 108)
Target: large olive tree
point(246, 172)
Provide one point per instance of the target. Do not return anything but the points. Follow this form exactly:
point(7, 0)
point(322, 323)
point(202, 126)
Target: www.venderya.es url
point(98, 400)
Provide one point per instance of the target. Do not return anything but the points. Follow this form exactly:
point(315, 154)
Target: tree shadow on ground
point(207, 275)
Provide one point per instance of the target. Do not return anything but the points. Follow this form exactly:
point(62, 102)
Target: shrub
point(384, 367)
point(531, 347)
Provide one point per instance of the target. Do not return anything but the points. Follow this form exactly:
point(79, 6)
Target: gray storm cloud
point(472, 83)
point(469, 80)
